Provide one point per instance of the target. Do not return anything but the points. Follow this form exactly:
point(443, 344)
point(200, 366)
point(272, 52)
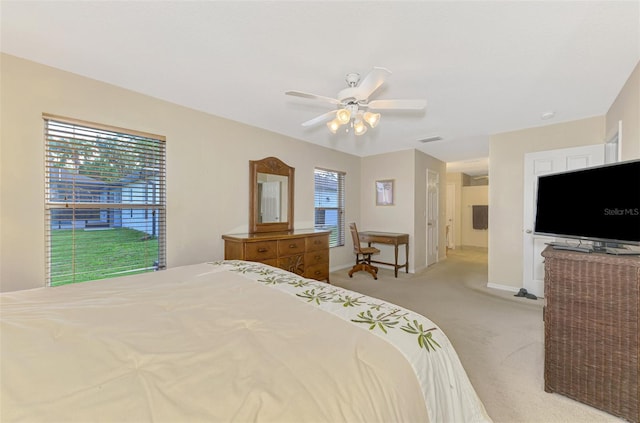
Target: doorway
point(433, 179)
point(450, 231)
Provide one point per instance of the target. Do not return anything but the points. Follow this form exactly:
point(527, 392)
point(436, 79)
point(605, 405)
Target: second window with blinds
point(329, 204)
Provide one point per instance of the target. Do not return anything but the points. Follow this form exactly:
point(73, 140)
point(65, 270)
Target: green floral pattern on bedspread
point(385, 316)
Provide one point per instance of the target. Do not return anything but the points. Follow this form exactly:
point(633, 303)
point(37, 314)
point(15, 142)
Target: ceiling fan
point(353, 106)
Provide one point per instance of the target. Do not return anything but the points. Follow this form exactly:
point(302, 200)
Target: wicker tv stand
point(591, 329)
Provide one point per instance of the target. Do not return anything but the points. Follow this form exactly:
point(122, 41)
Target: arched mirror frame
point(272, 166)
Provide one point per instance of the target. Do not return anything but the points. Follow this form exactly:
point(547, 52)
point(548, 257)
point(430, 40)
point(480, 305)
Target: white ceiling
point(483, 67)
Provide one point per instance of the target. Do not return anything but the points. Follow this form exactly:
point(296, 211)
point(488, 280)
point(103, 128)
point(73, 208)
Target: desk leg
point(396, 266)
point(407, 256)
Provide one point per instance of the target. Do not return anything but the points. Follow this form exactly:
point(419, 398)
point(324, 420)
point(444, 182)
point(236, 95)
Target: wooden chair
point(364, 262)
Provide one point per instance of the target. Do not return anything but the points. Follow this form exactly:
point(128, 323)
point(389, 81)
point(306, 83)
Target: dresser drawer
point(287, 247)
point(259, 251)
point(293, 264)
point(271, 262)
point(316, 257)
point(317, 271)
point(320, 242)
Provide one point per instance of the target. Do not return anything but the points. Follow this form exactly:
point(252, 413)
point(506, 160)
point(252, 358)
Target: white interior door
point(432, 217)
point(451, 209)
point(537, 164)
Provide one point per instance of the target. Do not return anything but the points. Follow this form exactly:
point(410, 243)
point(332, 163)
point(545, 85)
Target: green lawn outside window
point(105, 253)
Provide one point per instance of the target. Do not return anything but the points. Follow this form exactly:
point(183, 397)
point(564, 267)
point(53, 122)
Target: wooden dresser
point(304, 252)
point(592, 324)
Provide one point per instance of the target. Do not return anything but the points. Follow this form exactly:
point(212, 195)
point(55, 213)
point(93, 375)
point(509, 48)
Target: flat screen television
point(600, 204)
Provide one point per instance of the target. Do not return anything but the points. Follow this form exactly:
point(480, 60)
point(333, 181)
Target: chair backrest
point(355, 237)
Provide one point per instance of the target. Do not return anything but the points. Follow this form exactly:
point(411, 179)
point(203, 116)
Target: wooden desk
point(390, 238)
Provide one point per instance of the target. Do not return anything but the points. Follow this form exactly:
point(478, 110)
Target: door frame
point(613, 145)
point(432, 221)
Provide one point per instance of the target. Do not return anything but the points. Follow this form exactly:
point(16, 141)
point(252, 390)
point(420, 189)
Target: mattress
point(228, 341)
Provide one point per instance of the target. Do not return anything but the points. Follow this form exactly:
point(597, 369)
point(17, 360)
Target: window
point(104, 201)
point(329, 204)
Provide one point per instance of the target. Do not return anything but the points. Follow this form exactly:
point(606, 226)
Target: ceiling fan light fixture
point(359, 127)
point(372, 119)
point(333, 125)
point(343, 116)
point(351, 100)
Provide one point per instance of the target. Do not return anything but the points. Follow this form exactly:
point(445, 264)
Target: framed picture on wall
point(384, 192)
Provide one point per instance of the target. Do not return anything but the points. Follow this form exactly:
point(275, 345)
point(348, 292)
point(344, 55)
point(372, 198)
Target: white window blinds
point(104, 201)
point(329, 204)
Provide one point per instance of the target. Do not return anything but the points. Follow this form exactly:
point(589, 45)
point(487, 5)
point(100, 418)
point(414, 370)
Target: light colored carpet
point(499, 337)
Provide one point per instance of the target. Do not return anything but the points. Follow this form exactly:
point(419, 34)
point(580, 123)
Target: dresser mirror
point(271, 195)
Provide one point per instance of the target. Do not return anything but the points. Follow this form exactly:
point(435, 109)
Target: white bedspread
point(224, 342)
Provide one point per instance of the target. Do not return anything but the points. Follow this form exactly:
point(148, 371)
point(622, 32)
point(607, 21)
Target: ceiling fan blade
point(313, 97)
point(370, 83)
point(320, 119)
point(397, 104)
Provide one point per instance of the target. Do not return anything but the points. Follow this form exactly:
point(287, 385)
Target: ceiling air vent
point(430, 139)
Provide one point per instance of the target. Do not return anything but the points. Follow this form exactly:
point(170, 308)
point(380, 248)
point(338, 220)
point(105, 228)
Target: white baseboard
point(418, 269)
point(502, 287)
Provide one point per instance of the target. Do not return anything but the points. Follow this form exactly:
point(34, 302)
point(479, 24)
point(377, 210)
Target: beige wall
point(408, 169)
point(506, 170)
point(626, 108)
point(207, 167)
point(398, 217)
point(471, 196)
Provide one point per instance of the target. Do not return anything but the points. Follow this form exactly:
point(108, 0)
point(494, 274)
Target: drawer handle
point(317, 272)
point(263, 250)
point(293, 246)
point(318, 257)
point(317, 242)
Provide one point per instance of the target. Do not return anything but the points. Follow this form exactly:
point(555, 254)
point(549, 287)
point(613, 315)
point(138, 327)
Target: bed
point(227, 341)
